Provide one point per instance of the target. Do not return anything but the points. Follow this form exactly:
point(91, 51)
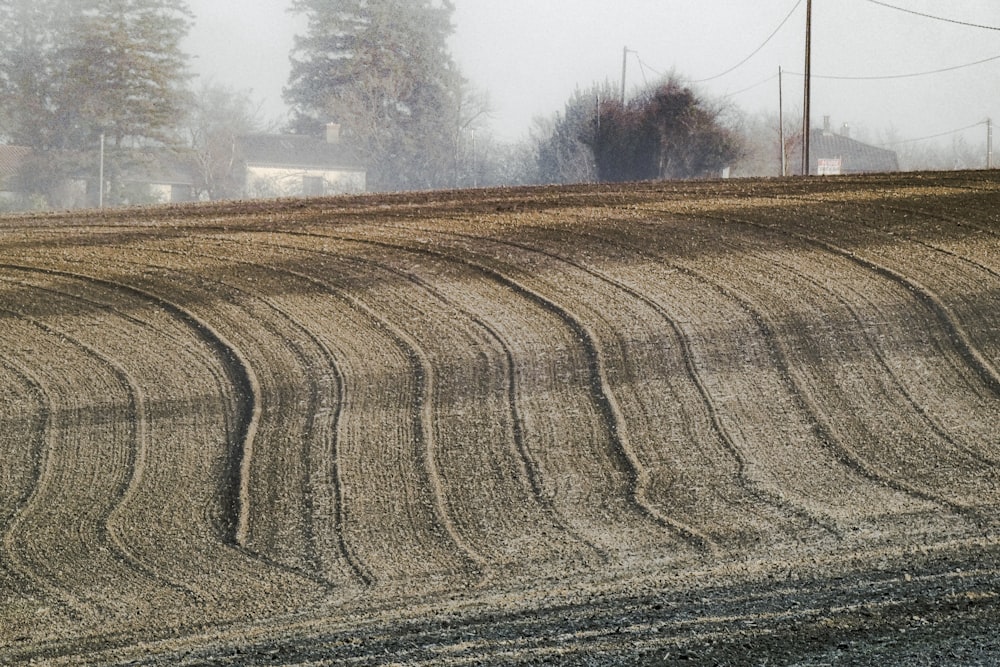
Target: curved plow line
point(529, 466)
point(104, 532)
point(827, 429)
point(692, 371)
point(423, 374)
point(420, 366)
point(828, 434)
point(13, 562)
point(604, 399)
point(797, 386)
point(713, 410)
point(423, 423)
point(340, 512)
point(42, 418)
point(356, 566)
point(241, 376)
point(951, 324)
point(876, 349)
point(877, 352)
point(966, 349)
point(137, 412)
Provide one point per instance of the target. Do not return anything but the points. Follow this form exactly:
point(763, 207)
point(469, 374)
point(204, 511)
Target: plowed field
point(750, 422)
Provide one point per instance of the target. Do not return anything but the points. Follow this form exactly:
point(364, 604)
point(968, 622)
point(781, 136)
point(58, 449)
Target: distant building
point(292, 165)
point(11, 160)
point(832, 154)
point(19, 163)
point(263, 166)
point(158, 177)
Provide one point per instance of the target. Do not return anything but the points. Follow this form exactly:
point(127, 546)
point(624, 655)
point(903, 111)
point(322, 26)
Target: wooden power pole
point(781, 125)
point(624, 65)
point(806, 93)
point(989, 143)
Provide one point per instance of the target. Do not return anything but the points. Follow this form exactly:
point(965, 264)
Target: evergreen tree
point(72, 70)
point(27, 72)
point(382, 70)
point(124, 70)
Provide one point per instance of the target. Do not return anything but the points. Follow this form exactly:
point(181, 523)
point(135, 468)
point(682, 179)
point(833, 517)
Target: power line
point(643, 63)
point(937, 136)
point(748, 88)
point(931, 16)
point(757, 50)
point(642, 69)
point(900, 76)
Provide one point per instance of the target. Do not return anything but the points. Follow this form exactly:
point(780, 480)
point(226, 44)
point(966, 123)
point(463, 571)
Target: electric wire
point(757, 50)
point(936, 136)
point(900, 76)
point(646, 65)
point(749, 88)
point(932, 16)
point(642, 69)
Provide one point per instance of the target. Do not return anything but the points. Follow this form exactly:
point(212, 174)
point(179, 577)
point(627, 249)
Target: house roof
point(295, 151)
point(856, 157)
point(161, 167)
point(11, 159)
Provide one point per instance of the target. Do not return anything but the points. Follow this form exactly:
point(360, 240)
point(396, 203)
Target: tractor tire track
point(826, 431)
point(602, 396)
point(101, 522)
point(421, 412)
point(849, 454)
point(933, 423)
point(358, 568)
point(529, 465)
point(693, 375)
point(238, 422)
point(983, 367)
point(245, 392)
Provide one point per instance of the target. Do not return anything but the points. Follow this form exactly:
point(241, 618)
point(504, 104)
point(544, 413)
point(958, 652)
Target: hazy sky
point(529, 55)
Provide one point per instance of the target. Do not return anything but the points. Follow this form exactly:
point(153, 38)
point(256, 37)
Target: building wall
point(158, 193)
point(265, 182)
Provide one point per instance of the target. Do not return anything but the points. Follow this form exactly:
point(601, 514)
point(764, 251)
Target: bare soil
point(747, 422)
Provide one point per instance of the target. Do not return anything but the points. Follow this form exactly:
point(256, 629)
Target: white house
point(158, 177)
point(293, 165)
point(11, 159)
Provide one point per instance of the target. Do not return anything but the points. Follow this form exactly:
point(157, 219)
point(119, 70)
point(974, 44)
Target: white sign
point(829, 167)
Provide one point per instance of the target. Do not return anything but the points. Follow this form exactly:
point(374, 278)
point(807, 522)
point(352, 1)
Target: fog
point(529, 55)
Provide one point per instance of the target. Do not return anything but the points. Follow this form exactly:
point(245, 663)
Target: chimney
point(845, 130)
point(333, 133)
point(826, 126)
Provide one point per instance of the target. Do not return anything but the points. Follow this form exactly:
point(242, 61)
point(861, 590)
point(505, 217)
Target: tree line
point(73, 72)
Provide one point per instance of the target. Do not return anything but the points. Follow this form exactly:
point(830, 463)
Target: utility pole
point(781, 125)
point(100, 184)
point(989, 143)
point(806, 92)
point(475, 174)
point(624, 65)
